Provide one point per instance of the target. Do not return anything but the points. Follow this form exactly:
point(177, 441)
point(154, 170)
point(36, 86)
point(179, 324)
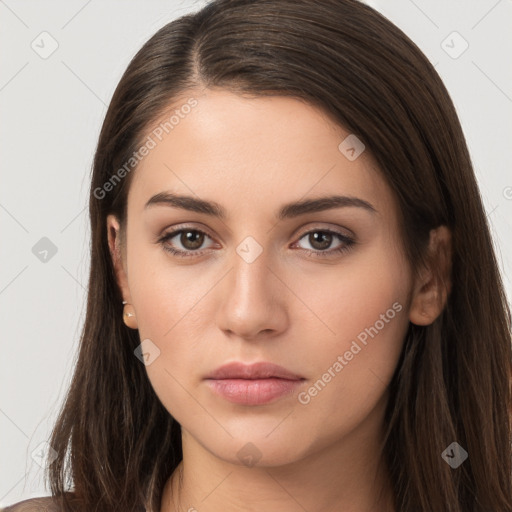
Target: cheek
point(352, 374)
point(365, 305)
point(163, 292)
point(169, 313)
point(352, 296)
point(173, 311)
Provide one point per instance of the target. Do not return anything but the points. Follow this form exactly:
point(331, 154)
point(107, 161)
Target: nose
point(252, 300)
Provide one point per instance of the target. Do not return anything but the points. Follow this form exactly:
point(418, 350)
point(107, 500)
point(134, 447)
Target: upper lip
point(261, 370)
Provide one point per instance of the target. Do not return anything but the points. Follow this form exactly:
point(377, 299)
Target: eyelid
point(321, 226)
point(183, 227)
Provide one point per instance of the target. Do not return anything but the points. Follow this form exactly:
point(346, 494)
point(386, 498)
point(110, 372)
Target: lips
point(254, 384)
point(261, 370)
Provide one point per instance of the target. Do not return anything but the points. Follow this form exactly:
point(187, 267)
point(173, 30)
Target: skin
point(300, 311)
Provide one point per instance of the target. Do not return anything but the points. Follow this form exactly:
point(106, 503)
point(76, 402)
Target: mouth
point(254, 384)
point(253, 391)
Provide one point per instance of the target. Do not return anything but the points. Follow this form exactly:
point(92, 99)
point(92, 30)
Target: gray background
point(51, 113)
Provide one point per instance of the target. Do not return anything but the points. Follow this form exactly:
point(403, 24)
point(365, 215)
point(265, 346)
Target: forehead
point(247, 153)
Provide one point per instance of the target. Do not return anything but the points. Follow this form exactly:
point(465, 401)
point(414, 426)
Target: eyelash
point(348, 244)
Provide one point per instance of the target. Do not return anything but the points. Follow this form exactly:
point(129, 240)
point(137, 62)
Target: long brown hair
point(116, 443)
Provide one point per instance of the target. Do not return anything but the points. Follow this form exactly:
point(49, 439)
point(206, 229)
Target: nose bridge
point(251, 270)
point(250, 301)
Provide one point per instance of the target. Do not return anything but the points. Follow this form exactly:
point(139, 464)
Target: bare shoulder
point(42, 504)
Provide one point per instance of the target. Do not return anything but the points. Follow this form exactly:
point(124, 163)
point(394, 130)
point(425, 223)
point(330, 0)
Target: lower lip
point(253, 391)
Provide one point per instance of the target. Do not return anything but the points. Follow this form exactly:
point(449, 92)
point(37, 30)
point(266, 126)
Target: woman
point(294, 302)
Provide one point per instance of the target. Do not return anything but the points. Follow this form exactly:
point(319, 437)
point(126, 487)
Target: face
point(321, 291)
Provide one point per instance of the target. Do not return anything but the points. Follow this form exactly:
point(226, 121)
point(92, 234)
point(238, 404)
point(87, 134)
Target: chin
point(259, 449)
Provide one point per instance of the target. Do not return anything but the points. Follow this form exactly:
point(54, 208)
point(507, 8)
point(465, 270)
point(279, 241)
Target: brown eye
point(191, 239)
point(320, 240)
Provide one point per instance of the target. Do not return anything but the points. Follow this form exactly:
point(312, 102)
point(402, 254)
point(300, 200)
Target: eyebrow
point(287, 211)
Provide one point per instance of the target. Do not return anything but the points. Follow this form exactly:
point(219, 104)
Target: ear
point(432, 288)
point(119, 264)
